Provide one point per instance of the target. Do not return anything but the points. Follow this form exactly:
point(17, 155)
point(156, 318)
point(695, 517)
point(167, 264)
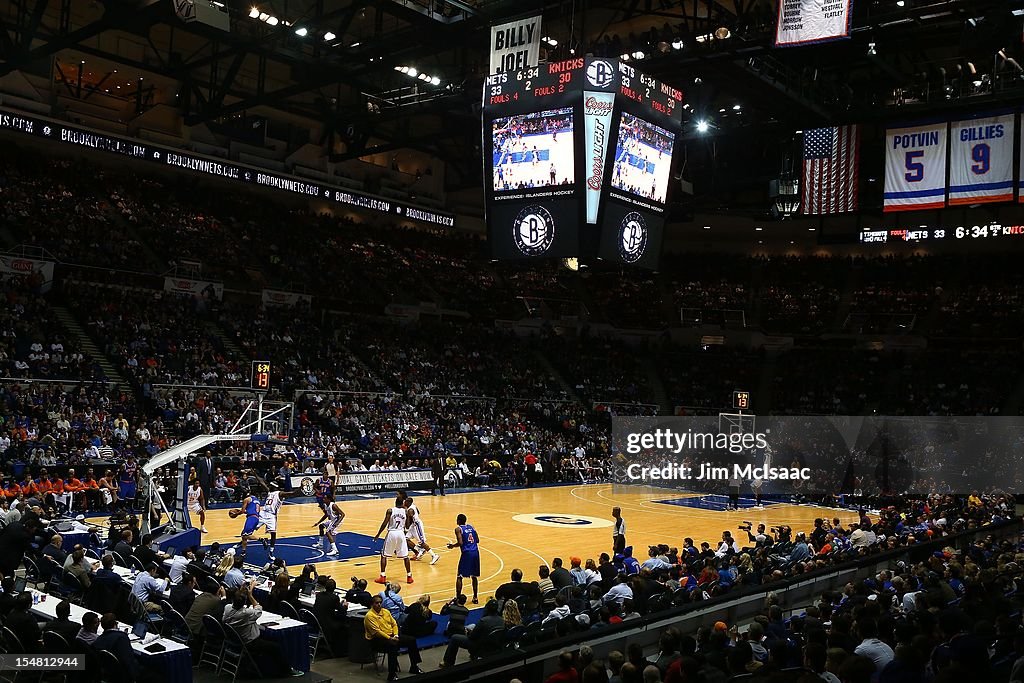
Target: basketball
point(234, 513)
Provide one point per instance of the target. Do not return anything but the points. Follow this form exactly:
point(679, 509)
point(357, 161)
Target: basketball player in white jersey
point(416, 535)
point(197, 503)
point(268, 517)
point(335, 515)
point(395, 544)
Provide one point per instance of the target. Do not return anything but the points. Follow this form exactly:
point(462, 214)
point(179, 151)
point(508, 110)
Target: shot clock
point(260, 375)
point(741, 400)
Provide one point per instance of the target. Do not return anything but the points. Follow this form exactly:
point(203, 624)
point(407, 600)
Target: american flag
point(831, 156)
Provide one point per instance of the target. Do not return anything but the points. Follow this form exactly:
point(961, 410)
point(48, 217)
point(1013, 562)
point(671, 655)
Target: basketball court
point(528, 161)
point(521, 528)
point(642, 169)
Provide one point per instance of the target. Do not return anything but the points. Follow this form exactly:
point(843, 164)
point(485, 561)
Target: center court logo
point(534, 230)
point(560, 521)
point(600, 73)
point(632, 237)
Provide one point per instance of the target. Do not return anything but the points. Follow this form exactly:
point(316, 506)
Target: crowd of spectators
point(936, 618)
point(32, 341)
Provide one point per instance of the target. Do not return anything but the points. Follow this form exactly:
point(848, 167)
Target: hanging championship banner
point(981, 160)
point(200, 288)
point(515, 45)
point(811, 21)
point(915, 168)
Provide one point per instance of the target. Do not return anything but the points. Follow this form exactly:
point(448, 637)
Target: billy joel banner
point(915, 168)
point(981, 160)
point(515, 45)
point(812, 21)
point(597, 113)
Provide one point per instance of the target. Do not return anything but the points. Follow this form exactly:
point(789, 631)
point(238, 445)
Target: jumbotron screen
point(643, 158)
point(533, 150)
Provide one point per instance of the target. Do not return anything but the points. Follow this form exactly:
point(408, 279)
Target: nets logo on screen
point(632, 237)
point(534, 230)
point(600, 73)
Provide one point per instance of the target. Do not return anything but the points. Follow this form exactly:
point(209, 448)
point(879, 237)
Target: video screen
point(533, 150)
point(643, 158)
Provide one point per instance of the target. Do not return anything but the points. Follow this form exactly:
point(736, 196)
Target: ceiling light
point(624, 57)
point(638, 54)
point(759, 229)
point(355, 44)
point(677, 45)
point(264, 16)
point(900, 3)
point(722, 33)
point(722, 110)
point(329, 36)
point(404, 69)
point(413, 72)
point(272, 21)
point(424, 77)
point(435, 81)
point(871, 50)
point(702, 126)
point(799, 132)
point(301, 31)
point(399, 68)
point(254, 13)
point(736, 107)
point(707, 227)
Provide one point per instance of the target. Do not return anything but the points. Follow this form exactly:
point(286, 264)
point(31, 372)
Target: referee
point(618, 532)
point(437, 474)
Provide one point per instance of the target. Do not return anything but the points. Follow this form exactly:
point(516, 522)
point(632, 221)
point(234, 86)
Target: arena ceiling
point(338, 64)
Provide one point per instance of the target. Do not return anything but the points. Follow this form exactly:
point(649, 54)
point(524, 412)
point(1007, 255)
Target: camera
point(746, 526)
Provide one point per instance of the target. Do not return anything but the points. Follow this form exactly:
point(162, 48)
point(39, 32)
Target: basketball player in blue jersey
point(467, 539)
point(324, 491)
point(251, 509)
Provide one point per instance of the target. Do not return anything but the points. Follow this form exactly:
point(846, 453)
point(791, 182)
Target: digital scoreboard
point(577, 157)
point(529, 137)
point(644, 131)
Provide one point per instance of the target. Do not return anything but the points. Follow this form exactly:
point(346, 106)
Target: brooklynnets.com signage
point(64, 134)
